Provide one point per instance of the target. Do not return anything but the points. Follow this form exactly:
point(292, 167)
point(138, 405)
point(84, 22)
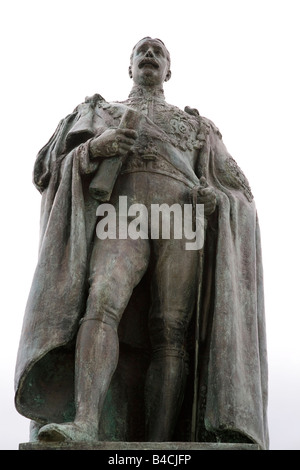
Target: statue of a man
point(140, 337)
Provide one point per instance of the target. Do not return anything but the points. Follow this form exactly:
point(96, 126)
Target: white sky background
point(237, 61)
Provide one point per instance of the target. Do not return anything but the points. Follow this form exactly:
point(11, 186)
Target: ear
point(130, 71)
point(168, 76)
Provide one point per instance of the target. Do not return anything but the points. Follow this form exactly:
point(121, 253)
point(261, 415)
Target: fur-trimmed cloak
point(232, 374)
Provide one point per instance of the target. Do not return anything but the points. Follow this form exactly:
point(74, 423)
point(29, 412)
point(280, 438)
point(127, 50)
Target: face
point(150, 64)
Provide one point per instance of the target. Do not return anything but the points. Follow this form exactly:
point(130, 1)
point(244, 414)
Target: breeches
point(118, 265)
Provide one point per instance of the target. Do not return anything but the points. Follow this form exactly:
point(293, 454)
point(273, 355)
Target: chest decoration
point(176, 126)
point(181, 129)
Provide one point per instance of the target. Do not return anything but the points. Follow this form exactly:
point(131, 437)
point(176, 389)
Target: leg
point(112, 279)
point(174, 292)
point(110, 291)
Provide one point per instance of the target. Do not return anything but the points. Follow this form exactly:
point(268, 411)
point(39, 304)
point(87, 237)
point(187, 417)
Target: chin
point(148, 80)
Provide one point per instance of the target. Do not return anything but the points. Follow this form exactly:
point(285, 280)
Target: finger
point(209, 205)
point(125, 147)
point(207, 198)
point(126, 140)
point(203, 181)
point(131, 133)
point(206, 192)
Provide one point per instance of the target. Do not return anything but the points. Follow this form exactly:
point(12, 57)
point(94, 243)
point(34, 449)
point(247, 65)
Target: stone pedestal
point(161, 447)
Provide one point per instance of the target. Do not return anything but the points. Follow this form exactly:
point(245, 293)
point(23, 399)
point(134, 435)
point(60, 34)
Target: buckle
point(149, 157)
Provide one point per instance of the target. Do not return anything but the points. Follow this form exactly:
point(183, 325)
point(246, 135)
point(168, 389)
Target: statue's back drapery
point(225, 359)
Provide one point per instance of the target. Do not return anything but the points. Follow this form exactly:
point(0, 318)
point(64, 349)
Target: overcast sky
point(237, 61)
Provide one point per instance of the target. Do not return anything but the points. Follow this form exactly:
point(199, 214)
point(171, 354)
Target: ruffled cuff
point(86, 165)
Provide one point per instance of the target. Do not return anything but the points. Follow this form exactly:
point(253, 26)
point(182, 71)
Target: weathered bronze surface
point(140, 339)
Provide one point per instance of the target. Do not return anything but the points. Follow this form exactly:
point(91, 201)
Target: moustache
point(148, 61)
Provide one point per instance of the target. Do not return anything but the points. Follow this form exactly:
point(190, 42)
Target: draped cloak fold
point(232, 389)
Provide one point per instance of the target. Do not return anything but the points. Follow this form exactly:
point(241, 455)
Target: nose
point(149, 53)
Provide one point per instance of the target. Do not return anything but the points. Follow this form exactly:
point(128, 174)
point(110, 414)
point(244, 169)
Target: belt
point(153, 163)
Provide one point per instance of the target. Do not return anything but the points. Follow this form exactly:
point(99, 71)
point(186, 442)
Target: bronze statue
point(139, 338)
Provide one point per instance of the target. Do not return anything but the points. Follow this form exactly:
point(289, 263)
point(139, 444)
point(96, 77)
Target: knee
point(102, 304)
point(168, 336)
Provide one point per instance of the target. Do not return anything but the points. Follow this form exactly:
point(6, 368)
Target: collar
point(138, 92)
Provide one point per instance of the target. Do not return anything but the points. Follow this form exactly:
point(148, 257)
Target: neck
point(142, 91)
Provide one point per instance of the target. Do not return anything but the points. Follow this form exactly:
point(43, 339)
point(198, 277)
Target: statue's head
point(150, 62)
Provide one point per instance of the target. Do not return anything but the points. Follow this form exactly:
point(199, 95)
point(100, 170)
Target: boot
point(165, 385)
point(97, 351)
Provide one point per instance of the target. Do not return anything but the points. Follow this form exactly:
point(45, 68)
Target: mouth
point(148, 62)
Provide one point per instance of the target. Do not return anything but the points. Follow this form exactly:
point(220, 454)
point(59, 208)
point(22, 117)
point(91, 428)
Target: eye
point(141, 50)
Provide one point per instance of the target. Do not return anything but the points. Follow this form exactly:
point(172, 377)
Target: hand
point(113, 142)
point(207, 196)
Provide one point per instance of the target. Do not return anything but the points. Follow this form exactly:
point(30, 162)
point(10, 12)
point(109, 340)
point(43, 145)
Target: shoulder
point(206, 124)
point(210, 126)
point(97, 102)
point(99, 111)
point(188, 116)
point(90, 102)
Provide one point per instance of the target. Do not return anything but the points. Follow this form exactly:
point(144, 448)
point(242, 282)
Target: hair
point(153, 39)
